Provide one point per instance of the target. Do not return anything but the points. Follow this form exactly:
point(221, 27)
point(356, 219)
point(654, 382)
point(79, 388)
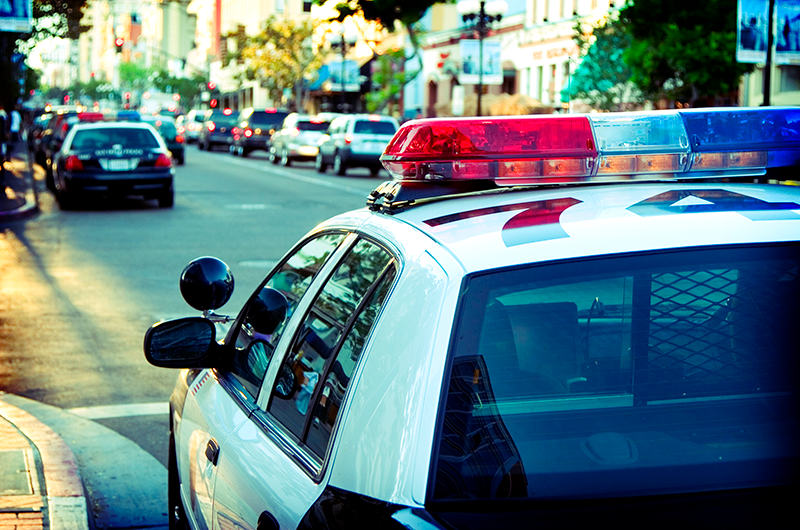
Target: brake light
point(181, 129)
point(236, 131)
point(374, 117)
point(73, 163)
point(294, 131)
point(348, 138)
point(211, 126)
point(248, 133)
point(271, 110)
point(179, 139)
point(163, 161)
point(227, 112)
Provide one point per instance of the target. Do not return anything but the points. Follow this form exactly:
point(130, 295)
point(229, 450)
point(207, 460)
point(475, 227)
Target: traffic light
point(127, 96)
point(211, 85)
point(118, 42)
point(213, 103)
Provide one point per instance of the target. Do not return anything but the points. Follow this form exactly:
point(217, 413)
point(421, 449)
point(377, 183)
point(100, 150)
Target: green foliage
point(683, 49)
point(283, 56)
point(390, 77)
point(133, 75)
point(602, 79)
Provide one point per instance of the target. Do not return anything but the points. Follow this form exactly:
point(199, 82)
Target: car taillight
point(248, 133)
point(163, 161)
point(181, 129)
point(179, 138)
point(73, 163)
point(294, 131)
point(211, 126)
point(348, 138)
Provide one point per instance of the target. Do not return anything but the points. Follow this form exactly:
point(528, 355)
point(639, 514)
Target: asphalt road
point(82, 287)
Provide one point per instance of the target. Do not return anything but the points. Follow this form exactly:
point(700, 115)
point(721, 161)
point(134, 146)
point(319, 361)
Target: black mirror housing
point(182, 343)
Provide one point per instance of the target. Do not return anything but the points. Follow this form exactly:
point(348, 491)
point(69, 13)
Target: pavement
point(58, 469)
point(40, 484)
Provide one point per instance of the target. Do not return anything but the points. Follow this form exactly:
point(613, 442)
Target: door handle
point(212, 451)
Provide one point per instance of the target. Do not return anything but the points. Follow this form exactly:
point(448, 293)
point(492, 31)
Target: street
point(83, 286)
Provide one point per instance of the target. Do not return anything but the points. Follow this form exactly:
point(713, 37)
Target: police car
point(548, 321)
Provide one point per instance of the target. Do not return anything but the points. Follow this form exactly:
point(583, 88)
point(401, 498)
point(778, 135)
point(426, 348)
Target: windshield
point(629, 376)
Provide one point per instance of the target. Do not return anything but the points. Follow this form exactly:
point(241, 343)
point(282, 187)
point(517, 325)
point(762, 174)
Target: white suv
point(355, 141)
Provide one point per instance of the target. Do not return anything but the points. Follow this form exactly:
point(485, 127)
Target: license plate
point(118, 165)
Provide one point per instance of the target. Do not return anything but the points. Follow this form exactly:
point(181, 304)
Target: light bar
point(743, 138)
point(636, 143)
point(496, 148)
point(681, 144)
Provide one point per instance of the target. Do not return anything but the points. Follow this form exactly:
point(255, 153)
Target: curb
point(65, 500)
point(24, 193)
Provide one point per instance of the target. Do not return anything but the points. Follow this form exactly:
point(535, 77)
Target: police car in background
point(548, 321)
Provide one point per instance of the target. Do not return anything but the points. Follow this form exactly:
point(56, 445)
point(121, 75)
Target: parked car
point(254, 129)
point(560, 321)
point(297, 139)
point(35, 135)
point(192, 123)
point(113, 159)
point(168, 129)
point(217, 129)
point(57, 130)
point(356, 140)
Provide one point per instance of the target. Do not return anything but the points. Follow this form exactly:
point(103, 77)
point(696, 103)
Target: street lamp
point(342, 41)
point(481, 15)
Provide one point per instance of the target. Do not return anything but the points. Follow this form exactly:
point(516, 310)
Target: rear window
point(649, 375)
point(165, 127)
point(374, 127)
point(222, 119)
point(272, 119)
point(108, 138)
point(313, 126)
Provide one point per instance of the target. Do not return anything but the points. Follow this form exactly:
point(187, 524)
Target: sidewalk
point(18, 196)
point(40, 487)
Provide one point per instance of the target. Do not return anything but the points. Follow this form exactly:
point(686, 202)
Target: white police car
point(510, 336)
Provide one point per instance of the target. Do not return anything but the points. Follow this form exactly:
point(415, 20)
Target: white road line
point(312, 180)
point(120, 411)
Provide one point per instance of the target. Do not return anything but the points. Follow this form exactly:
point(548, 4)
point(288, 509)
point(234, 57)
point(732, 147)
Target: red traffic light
point(119, 41)
point(127, 95)
point(212, 85)
point(213, 103)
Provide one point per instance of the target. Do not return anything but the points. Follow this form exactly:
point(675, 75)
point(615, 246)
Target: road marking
point(120, 411)
point(312, 180)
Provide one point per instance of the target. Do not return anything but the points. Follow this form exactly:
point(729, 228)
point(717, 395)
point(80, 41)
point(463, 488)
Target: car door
point(273, 466)
point(220, 401)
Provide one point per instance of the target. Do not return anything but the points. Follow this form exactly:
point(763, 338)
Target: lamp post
point(343, 41)
point(481, 15)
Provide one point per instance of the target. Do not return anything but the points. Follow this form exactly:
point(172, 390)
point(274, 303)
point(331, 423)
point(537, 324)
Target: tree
point(284, 56)
point(603, 79)
point(390, 77)
point(683, 50)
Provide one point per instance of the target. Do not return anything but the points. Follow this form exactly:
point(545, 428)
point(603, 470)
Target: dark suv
point(218, 130)
point(254, 129)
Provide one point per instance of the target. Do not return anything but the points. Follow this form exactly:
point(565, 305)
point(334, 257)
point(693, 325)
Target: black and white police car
point(546, 321)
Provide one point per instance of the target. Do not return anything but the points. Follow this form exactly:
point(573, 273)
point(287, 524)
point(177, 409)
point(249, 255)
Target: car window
point(325, 349)
point(221, 119)
point(635, 376)
point(313, 125)
point(108, 138)
point(374, 127)
point(271, 119)
point(292, 279)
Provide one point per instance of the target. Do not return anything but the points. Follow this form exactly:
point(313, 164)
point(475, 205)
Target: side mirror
point(182, 343)
point(206, 283)
point(286, 386)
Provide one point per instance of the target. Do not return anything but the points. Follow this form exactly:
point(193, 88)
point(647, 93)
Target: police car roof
point(505, 191)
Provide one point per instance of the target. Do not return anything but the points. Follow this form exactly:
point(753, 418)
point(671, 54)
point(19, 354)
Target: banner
point(15, 15)
point(470, 57)
point(787, 32)
point(753, 23)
